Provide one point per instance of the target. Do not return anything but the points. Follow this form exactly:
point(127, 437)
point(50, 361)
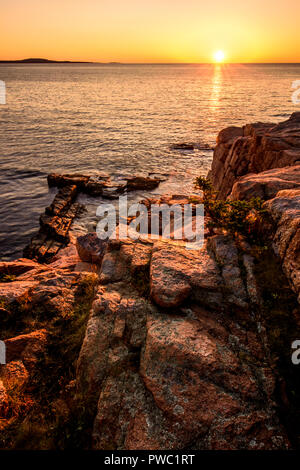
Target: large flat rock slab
point(177, 273)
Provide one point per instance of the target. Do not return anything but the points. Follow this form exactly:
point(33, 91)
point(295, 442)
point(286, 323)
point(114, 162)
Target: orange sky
point(151, 30)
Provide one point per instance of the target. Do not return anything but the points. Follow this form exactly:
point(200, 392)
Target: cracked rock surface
point(185, 374)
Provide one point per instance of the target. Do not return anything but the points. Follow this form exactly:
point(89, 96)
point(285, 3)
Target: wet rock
point(59, 222)
point(59, 216)
point(136, 183)
point(55, 225)
point(183, 146)
point(102, 185)
point(112, 190)
point(62, 200)
point(42, 248)
point(91, 248)
point(60, 181)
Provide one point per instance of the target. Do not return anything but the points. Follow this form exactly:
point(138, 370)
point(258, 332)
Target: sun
point(219, 56)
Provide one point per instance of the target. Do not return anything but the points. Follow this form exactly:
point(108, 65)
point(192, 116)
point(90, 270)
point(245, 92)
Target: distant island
point(42, 61)
point(48, 61)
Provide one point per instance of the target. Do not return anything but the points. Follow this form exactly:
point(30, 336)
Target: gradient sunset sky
point(151, 30)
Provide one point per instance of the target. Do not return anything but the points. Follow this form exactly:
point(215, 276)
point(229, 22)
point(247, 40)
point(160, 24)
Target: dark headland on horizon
point(43, 61)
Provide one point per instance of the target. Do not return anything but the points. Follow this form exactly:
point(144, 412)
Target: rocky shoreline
point(264, 160)
point(147, 345)
point(55, 224)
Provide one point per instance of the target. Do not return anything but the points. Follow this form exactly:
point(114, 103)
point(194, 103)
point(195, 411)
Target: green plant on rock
point(236, 217)
point(204, 184)
point(7, 277)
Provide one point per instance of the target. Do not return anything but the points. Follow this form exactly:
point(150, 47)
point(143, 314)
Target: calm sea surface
point(121, 119)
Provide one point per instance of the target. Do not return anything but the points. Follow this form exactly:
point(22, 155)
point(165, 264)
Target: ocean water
point(120, 119)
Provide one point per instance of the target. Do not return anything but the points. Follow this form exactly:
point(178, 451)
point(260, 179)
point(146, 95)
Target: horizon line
point(68, 61)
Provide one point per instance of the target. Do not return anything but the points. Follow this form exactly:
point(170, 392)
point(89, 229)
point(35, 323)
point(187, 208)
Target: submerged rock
point(102, 185)
point(136, 183)
point(183, 146)
point(56, 222)
point(61, 181)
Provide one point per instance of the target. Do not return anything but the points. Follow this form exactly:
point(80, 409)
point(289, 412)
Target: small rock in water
point(60, 181)
point(94, 185)
point(183, 146)
point(102, 185)
point(141, 182)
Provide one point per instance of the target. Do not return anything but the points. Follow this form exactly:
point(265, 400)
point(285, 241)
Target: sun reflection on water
point(216, 88)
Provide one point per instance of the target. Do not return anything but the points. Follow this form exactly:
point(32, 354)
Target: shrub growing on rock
point(236, 217)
